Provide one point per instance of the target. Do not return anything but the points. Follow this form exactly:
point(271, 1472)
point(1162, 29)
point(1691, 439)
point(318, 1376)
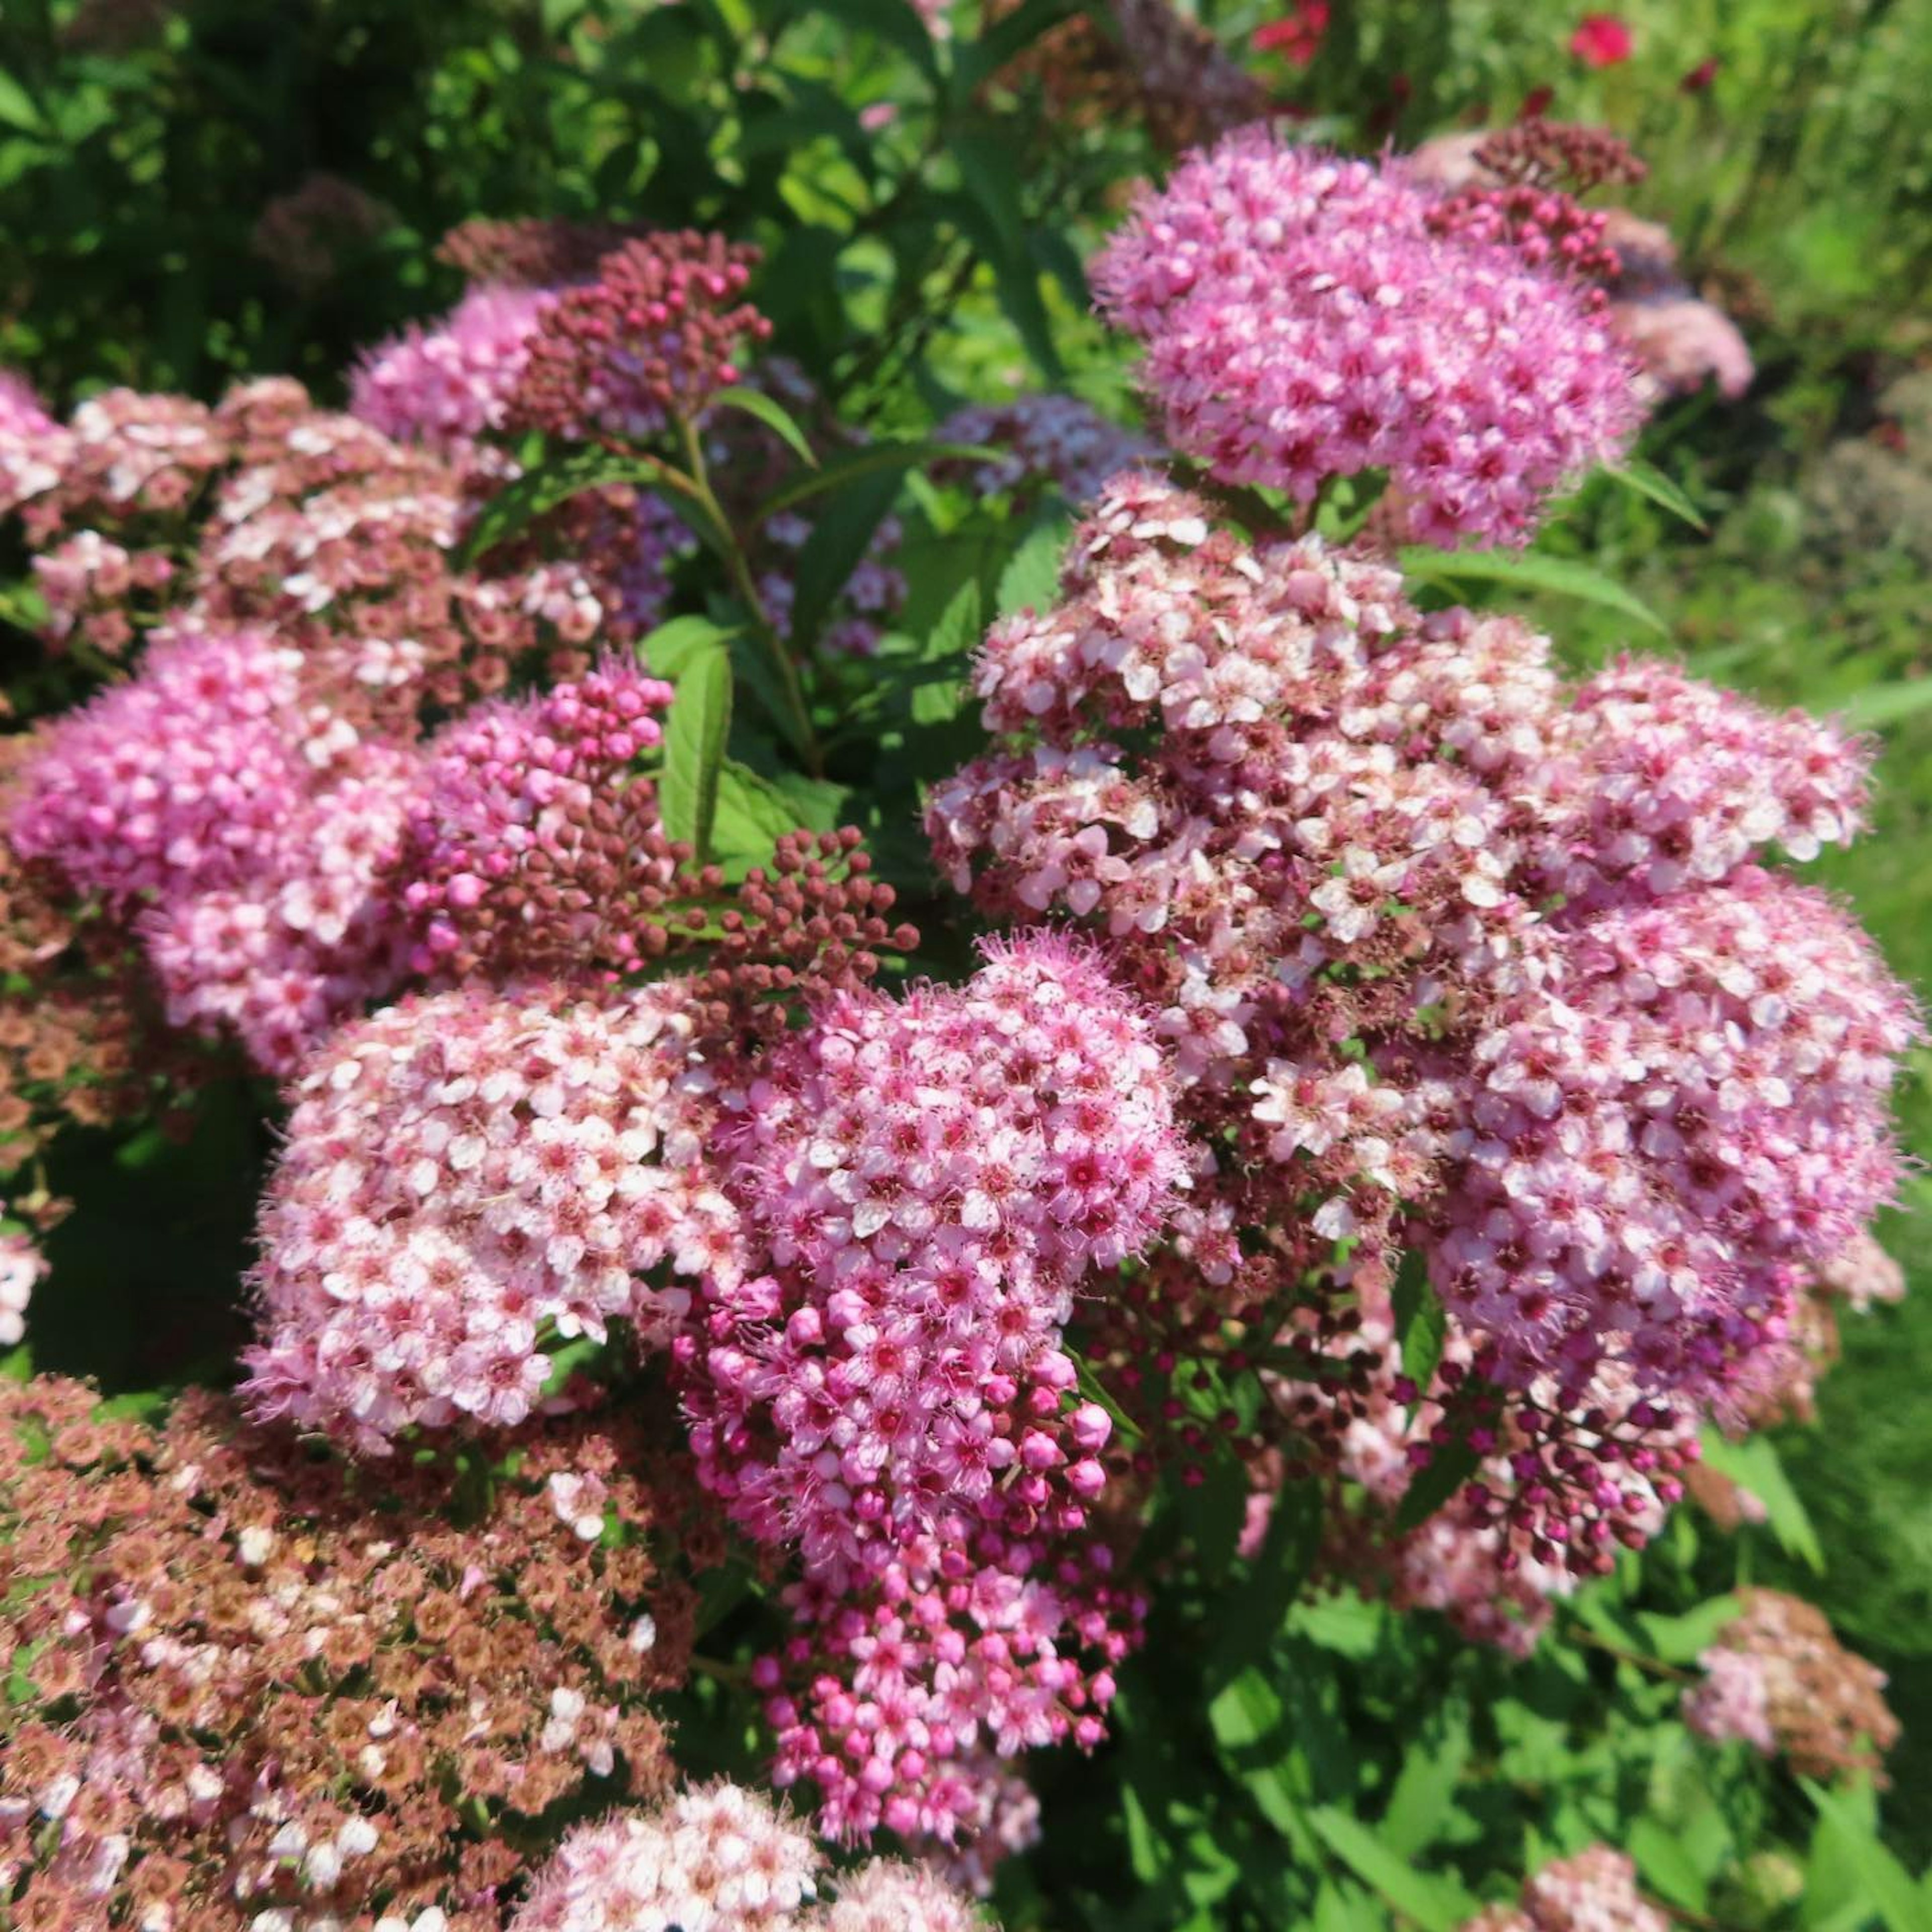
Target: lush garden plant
point(887, 1043)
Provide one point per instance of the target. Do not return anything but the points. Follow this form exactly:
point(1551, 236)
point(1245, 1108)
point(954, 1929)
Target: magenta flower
point(1602, 39)
point(1302, 322)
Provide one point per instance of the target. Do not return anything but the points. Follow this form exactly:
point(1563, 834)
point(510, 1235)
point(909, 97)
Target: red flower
point(1601, 39)
point(1699, 80)
point(1535, 102)
point(1297, 35)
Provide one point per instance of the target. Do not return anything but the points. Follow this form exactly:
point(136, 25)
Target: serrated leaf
point(667, 651)
point(1666, 1866)
point(699, 722)
point(1437, 1904)
point(1646, 479)
point(1423, 1324)
point(773, 415)
point(754, 814)
point(1562, 575)
point(1031, 578)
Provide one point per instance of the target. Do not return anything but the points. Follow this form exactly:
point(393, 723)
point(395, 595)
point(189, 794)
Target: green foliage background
point(1282, 1761)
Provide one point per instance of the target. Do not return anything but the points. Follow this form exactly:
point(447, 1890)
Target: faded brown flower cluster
point(248, 1677)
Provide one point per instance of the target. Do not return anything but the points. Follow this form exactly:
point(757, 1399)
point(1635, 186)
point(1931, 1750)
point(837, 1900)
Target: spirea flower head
point(1466, 959)
point(1778, 1679)
point(175, 780)
point(1302, 322)
point(466, 1176)
point(927, 1180)
point(257, 1688)
point(248, 845)
point(718, 1858)
point(448, 384)
point(1594, 1891)
point(654, 337)
point(510, 791)
point(33, 448)
point(22, 1264)
point(930, 1178)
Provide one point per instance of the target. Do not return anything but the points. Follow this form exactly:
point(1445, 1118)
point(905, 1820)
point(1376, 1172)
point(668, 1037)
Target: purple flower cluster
point(1303, 321)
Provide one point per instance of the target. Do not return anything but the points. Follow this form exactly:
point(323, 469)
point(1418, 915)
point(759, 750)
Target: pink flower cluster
point(466, 1176)
point(1595, 1891)
point(720, 1859)
point(21, 1265)
point(653, 338)
point(1303, 321)
point(510, 790)
point(1453, 957)
point(449, 385)
point(248, 843)
point(926, 1182)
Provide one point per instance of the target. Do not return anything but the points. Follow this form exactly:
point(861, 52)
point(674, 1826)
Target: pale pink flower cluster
point(927, 1181)
point(1058, 440)
point(33, 448)
point(718, 1858)
point(1595, 1891)
point(467, 1176)
point(448, 384)
point(1733, 1700)
point(1450, 955)
point(1303, 323)
point(21, 1265)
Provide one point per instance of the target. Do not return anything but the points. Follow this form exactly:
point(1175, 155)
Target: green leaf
point(1031, 579)
point(1425, 1789)
point(776, 418)
point(1683, 1640)
point(991, 214)
point(1889, 703)
point(1646, 479)
point(1256, 1611)
point(958, 631)
point(694, 749)
point(545, 485)
point(1754, 1465)
point(1665, 1864)
point(1421, 1321)
point(836, 546)
point(1437, 1904)
point(869, 460)
point(668, 649)
point(17, 105)
point(1450, 1465)
point(754, 812)
point(1531, 572)
point(1888, 1885)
